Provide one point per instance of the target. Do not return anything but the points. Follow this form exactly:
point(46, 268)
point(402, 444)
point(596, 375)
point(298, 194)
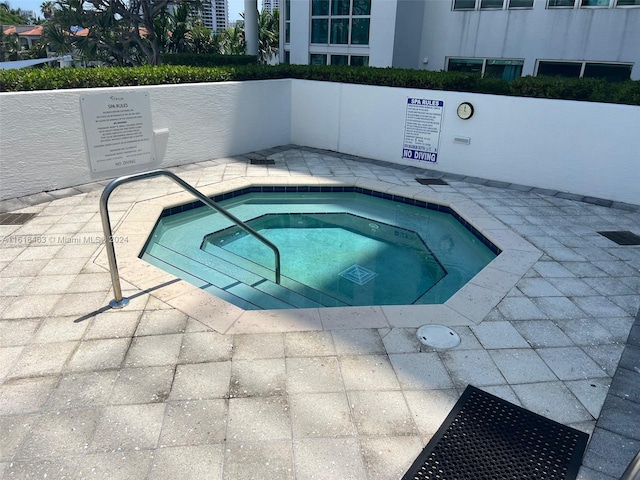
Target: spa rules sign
point(422, 125)
point(118, 132)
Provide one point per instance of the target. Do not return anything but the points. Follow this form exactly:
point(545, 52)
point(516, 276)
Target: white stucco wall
point(590, 149)
point(42, 137)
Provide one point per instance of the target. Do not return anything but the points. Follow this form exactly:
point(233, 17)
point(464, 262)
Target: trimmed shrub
point(207, 59)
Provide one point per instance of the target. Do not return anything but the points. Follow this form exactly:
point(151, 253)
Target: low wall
point(42, 136)
point(589, 149)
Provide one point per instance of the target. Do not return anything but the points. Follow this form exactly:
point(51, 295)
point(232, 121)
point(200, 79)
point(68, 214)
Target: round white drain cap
point(438, 336)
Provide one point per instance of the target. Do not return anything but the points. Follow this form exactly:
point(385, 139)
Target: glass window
point(317, 59)
point(287, 57)
point(361, 7)
point(340, 7)
point(627, 3)
point(610, 72)
point(594, 3)
point(360, 33)
point(287, 32)
point(470, 65)
point(320, 7)
point(339, 60)
point(559, 69)
point(319, 30)
point(287, 10)
point(491, 4)
point(464, 4)
point(561, 3)
point(340, 31)
point(359, 61)
point(520, 3)
point(503, 69)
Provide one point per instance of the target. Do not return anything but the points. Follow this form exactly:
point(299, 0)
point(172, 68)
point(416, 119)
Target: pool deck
point(179, 384)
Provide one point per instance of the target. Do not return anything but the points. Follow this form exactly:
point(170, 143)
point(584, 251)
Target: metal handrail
point(119, 301)
point(633, 469)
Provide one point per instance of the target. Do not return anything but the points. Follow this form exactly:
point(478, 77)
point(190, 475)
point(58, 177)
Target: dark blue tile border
point(338, 189)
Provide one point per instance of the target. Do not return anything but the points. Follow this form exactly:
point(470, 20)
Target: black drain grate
point(262, 161)
point(431, 181)
point(15, 218)
point(487, 438)
point(622, 237)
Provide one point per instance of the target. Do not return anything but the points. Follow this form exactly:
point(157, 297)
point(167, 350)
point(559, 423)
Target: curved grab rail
point(119, 301)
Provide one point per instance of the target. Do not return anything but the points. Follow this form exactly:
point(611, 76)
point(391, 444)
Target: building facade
point(496, 38)
point(215, 15)
point(270, 5)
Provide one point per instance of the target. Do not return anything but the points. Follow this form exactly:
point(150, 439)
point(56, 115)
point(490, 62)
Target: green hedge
point(594, 90)
point(207, 60)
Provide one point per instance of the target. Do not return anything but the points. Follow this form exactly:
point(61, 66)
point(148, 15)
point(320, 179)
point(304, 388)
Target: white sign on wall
point(422, 125)
point(118, 132)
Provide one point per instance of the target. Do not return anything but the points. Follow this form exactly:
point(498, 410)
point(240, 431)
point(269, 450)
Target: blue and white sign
point(422, 125)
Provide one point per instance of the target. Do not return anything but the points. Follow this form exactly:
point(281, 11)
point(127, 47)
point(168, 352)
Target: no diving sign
point(422, 125)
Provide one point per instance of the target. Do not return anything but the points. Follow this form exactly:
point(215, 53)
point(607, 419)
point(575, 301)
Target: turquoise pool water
point(337, 249)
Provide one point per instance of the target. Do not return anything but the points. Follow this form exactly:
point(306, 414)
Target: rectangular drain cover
point(358, 274)
point(15, 218)
point(622, 237)
point(262, 161)
point(431, 181)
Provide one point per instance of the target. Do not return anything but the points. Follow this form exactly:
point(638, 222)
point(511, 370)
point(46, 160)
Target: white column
point(251, 26)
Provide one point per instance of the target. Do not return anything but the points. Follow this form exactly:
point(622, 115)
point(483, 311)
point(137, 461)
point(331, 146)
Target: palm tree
point(232, 41)
point(268, 36)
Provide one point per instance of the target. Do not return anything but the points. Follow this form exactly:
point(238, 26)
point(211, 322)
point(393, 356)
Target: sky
point(235, 6)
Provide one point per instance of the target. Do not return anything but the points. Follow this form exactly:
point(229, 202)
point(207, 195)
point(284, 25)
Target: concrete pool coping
point(469, 306)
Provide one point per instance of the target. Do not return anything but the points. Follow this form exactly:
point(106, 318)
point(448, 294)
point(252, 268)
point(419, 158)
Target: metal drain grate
point(15, 218)
point(358, 274)
point(431, 181)
point(485, 437)
point(622, 237)
point(262, 161)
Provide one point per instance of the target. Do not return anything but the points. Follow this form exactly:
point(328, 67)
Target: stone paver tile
point(14, 286)
point(114, 465)
point(521, 366)
point(498, 335)
point(429, 408)
point(205, 346)
point(201, 381)
point(321, 415)
point(571, 363)
point(313, 374)
point(538, 287)
point(8, 356)
point(113, 324)
point(572, 287)
point(591, 393)
point(154, 351)
point(328, 459)
point(99, 354)
point(400, 340)
point(309, 344)
point(194, 422)
point(542, 333)
point(558, 308)
point(616, 269)
point(625, 385)
point(50, 284)
point(388, 458)
point(584, 269)
point(25, 395)
point(142, 385)
point(552, 400)
point(160, 322)
point(246, 461)
point(267, 345)
point(352, 318)
point(128, 427)
point(14, 429)
point(260, 377)
point(586, 332)
point(29, 268)
point(76, 427)
point(520, 308)
point(31, 306)
point(42, 359)
point(504, 392)
point(418, 371)
point(188, 463)
point(60, 329)
point(609, 452)
point(258, 419)
point(80, 304)
point(91, 282)
point(606, 356)
point(82, 390)
point(472, 367)
point(381, 413)
point(358, 342)
point(63, 467)
point(17, 332)
point(610, 286)
point(368, 372)
point(552, 269)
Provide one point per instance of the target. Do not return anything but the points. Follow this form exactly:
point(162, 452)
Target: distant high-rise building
point(270, 5)
point(215, 14)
